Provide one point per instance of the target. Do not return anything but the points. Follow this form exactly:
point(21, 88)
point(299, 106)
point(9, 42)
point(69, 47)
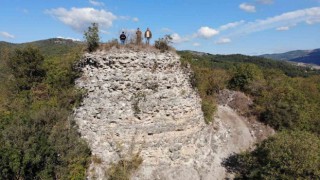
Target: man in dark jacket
point(139, 38)
point(123, 38)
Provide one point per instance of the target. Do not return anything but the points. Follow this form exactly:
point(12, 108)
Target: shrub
point(37, 139)
point(60, 73)
point(244, 76)
point(110, 44)
point(208, 107)
point(287, 155)
point(163, 43)
point(26, 67)
point(208, 82)
point(92, 37)
point(123, 169)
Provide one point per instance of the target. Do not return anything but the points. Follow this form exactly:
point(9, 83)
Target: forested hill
point(313, 57)
point(287, 55)
point(289, 104)
point(229, 61)
point(48, 47)
point(304, 56)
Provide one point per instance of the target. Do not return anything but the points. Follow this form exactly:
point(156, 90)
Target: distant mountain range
point(303, 56)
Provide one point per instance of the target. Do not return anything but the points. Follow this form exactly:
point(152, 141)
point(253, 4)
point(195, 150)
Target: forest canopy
point(285, 96)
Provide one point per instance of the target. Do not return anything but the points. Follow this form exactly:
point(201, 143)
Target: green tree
point(37, 139)
point(287, 155)
point(244, 77)
point(92, 37)
point(26, 66)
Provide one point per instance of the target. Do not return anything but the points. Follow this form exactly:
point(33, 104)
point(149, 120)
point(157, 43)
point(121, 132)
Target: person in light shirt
point(148, 36)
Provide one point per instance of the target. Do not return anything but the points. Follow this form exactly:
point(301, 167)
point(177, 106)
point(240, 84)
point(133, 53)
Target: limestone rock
point(142, 102)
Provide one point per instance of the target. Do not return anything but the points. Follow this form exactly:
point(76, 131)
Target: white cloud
point(79, 19)
point(196, 44)
point(96, 3)
point(231, 25)
point(223, 41)
point(207, 32)
point(247, 7)
point(73, 39)
point(166, 30)
point(104, 31)
point(135, 19)
point(282, 20)
point(312, 21)
point(176, 38)
point(283, 28)
point(265, 1)
point(7, 35)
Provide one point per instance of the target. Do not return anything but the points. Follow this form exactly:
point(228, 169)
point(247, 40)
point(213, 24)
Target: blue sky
point(215, 26)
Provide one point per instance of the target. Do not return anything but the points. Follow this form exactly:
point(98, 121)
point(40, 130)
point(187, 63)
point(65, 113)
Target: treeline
point(48, 48)
point(229, 61)
point(285, 97)
point(38, 140)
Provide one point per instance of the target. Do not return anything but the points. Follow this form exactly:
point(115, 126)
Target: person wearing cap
point(123, 38)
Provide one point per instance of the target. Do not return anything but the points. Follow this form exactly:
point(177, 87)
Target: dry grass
point(95, 159)
point(108, 45)
point(124, 168)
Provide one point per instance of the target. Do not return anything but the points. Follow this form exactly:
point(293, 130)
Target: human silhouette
point(148, 36)
point(123, 38)
point(139, 38)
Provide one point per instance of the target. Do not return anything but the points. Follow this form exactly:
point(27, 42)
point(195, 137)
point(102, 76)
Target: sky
point(249, 27)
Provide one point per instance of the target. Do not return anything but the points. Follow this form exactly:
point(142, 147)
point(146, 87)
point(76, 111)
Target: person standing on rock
point(148, 36)
point(139, 36)
point(123, 38)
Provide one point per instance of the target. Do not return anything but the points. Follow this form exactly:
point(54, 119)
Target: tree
point(287, 155)
point(92, 37)
point(244, 76)
point(26, 66)
point(37, 138)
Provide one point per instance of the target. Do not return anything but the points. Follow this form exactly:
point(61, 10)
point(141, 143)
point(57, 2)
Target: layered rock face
point(142, 102)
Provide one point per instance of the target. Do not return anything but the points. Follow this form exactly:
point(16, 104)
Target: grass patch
point(124, 168)
point(96, 159)
point(208, 108)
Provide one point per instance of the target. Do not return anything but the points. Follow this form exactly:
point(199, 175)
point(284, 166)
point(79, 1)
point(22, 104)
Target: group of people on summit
point(147, 36)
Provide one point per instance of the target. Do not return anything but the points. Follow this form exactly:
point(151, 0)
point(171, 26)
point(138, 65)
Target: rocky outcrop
point(142, 102)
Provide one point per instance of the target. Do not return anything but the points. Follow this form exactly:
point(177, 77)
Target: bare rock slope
point(142, 102)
